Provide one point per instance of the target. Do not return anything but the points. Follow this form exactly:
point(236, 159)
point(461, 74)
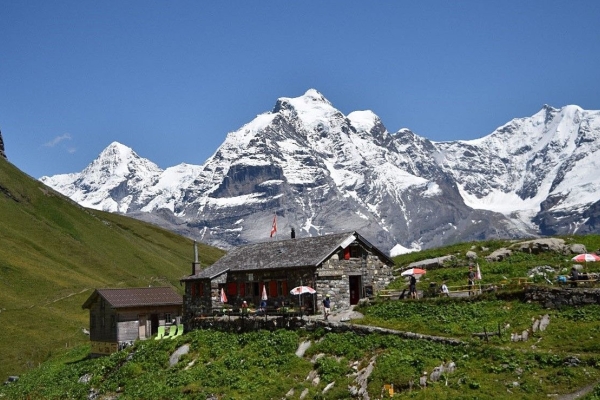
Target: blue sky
point(170, 79)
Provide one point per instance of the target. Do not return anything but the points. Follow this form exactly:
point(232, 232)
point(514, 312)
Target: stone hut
point(344, 266)
point(121, 316)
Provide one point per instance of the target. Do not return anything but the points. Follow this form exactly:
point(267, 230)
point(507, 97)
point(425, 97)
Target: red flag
point(274, 227)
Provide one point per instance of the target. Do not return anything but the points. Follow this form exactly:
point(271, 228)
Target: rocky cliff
point(321, 171)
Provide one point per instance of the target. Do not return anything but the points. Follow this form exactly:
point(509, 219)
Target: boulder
point(471, 255)
point(499, 254)
point(577, 248)
point(431, 263)
point(543, 245)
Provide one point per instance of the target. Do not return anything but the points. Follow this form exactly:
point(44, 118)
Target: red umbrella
point(413, 271)
point(302, 289)
point(223, 296)
point(585, 258)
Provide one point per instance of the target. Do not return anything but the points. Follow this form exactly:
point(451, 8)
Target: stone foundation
point(551, 297)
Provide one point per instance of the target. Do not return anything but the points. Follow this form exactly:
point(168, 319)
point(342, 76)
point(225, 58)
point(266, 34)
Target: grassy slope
point(240, 366)
point(53, 253)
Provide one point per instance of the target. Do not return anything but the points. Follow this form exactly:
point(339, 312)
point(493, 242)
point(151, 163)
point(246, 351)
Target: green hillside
point(53, 253)
point(562, 359)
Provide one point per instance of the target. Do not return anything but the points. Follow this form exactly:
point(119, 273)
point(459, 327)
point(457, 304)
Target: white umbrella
point(264, 293)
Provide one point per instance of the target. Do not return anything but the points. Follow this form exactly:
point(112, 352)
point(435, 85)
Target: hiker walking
point(326, 307)
point(471, 278)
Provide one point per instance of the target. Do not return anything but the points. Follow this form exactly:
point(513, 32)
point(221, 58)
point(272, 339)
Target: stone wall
point(250, 324)
point(333, 277)
point(551, 297)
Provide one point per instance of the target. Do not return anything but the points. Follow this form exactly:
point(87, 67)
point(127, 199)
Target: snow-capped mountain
point(321, 171)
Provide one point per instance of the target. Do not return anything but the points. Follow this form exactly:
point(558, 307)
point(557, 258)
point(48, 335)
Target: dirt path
point(580, 393)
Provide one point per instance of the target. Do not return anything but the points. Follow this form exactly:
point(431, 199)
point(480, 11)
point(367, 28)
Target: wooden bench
point(580, 282)
point(522, 281)
point(387, 294)
point(462, 289)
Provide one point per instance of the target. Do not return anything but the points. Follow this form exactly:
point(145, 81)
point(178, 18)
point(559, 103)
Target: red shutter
point(273, 288)
point(284, 288)
point(193, 289)
point(242, 289)
point(347, 253)
point(232, 288)
point(200, 290)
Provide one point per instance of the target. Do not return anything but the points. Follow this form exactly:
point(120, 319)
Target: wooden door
point(355, 286)
point(142, 326)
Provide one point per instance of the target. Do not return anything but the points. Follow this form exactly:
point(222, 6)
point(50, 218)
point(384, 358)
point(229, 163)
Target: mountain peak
point(363, 120)
point(117, 148)
point(119, 160)
point(314, 95)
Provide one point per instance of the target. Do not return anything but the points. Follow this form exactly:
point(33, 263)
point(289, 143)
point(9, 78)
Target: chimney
point(293, 234)
point(195, 264)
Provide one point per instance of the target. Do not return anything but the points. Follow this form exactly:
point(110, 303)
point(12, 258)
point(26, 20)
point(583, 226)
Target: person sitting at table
point(244, 307)
point(574, 276)
point(263, 307)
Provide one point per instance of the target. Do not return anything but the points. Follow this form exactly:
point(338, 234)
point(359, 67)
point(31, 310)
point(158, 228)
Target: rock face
point(324, 172)
point(2, 153)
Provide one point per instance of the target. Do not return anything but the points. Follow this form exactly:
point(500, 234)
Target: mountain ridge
point(322, 172)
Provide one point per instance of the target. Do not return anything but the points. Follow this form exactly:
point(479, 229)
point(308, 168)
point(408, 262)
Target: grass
point(494, 272)
point(264, 365)
point(54, 253)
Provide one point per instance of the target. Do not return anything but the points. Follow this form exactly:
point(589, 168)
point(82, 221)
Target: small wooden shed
point(118, 317)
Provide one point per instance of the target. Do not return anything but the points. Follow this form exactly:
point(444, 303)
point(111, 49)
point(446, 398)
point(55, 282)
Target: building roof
point(277, 254)
point(136, 297)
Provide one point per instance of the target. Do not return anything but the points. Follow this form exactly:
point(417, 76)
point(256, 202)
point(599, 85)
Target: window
point(168, 318)
point(255, 289)
point(354, 252)
point(282, 288)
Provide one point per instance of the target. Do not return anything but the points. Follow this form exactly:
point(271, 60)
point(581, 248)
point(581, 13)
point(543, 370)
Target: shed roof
point(135, 297)
point(276, 254)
